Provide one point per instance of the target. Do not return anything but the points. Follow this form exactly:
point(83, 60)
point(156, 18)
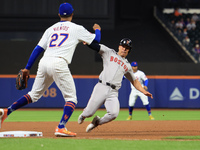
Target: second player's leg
point(40, 85)
point(132, 99)
point(145, 102)
point(64, 80)
point(112, 107)
point(42, 80)
point(97, 99)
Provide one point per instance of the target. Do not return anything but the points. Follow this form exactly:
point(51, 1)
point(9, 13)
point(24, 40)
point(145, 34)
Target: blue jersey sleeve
point(95, 43)
point(146, 82)
point(98, 35)
point(34, 55)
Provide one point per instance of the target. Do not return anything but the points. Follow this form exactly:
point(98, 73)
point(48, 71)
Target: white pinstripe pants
point(52, 69)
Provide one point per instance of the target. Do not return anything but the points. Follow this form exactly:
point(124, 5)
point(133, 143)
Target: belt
point(108, 84)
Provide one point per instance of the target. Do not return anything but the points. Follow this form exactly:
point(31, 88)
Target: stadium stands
point(190, 29)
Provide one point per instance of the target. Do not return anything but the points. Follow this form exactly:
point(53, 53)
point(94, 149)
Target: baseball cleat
point(129, 118)
point(93, 124)
point(151, 117)
point(81, 119)
point(64, 132)
point(3, 115)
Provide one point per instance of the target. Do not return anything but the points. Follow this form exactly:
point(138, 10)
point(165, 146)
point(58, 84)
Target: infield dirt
point(129, 130)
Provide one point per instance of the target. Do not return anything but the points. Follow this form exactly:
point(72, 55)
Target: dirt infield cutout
point(127, 130)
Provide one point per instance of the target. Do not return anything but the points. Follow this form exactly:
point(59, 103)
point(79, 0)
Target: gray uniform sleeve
point(104, 49)
point(130, 75)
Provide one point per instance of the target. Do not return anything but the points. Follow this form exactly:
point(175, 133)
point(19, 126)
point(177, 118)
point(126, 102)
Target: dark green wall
point(153, 49)
point(14, 56)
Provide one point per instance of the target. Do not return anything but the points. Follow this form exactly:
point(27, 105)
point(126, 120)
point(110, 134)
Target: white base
point(20, 134)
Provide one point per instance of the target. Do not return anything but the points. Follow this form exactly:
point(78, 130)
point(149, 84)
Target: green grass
point(138, 114)
point(163, 114)
point(86, 144)
point(184, 137)
point(170, 143)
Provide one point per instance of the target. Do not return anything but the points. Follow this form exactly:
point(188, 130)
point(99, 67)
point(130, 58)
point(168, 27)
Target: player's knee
point(71, 98)
point(28, 98)
point(34, 98)
point(113, 115)
point(88, 114)
point(145, 103)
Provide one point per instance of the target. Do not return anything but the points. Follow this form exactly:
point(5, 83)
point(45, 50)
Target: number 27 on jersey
point(55, 37)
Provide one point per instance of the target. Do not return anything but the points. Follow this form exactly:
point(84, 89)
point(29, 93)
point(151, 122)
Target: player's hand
point(148, 94)
point(26, 71)
point(96, 26)
point(146, 88)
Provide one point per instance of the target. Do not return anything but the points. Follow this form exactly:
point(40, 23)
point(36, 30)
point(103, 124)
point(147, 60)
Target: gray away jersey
point(114, 67)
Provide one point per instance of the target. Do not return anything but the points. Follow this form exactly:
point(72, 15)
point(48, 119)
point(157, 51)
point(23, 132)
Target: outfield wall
point(168, 92)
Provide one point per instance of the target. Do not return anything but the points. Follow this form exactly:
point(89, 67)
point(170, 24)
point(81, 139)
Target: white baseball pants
point(134, 95)
point(52, 69)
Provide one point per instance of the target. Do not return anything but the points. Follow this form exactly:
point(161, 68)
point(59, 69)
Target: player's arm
point(139, 87)
point(34, 55)
point(146, 84)
point(145, 80)
point(131, 77)
point(95, 43)
point(97, 30)
point(95, 46)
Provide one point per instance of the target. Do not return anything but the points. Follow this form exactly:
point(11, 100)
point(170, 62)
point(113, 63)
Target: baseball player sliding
point(58, 43)
point(115, 66)
point(141, 77)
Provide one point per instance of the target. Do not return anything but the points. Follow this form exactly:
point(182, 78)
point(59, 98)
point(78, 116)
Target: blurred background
point(156, 47)
point(165, 36)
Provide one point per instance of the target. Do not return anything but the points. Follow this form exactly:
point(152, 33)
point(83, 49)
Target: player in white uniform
point(115, 66)
point(141, 77)
point(59, 42)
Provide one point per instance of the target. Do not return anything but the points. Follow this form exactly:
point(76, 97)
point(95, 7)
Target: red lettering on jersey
point(119, 62)
point(56, 28)
point(122, 63)
point(61, 28)
point(111, 58)
point(126, 68)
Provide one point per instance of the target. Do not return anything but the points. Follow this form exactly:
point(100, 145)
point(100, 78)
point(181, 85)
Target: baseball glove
point(22, 79)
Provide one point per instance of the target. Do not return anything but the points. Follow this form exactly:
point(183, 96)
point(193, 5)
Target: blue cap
point(134, 63)
point(66, 9)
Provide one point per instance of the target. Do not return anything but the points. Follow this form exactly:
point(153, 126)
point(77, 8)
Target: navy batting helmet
point(127, 42)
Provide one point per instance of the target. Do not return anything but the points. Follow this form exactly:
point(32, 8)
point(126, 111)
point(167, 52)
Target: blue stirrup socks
point(24, 100)
point(67, 112)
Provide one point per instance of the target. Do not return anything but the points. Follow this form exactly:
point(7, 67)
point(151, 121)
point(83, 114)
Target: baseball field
point(172, 130)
